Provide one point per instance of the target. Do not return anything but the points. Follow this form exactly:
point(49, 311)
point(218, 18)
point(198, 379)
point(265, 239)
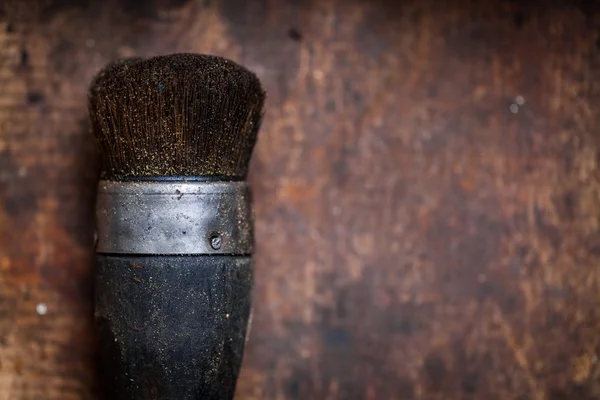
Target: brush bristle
point(178, 115)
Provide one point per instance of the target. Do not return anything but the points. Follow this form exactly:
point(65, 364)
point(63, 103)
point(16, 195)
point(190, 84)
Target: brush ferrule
point(174, 218)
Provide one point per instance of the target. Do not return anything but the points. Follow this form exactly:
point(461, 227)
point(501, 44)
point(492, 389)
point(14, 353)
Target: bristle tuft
point(175, 115)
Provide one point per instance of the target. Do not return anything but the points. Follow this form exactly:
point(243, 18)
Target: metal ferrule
point(174, 218)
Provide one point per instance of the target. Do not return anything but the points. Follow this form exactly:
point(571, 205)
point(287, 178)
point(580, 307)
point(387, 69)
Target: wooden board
point(426, 187)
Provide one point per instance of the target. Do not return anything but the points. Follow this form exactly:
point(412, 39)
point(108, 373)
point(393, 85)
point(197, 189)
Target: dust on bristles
point(175, 115)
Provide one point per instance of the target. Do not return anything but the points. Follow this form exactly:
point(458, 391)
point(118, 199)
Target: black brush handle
point(172, 327)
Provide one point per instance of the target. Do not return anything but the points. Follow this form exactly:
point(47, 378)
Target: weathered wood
point(426, 187)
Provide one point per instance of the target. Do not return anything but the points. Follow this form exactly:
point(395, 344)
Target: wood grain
point(426, 186)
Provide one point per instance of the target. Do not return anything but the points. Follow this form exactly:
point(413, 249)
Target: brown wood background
point(417, 237)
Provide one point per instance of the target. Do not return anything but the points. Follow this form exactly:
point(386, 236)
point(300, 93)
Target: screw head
point(216, 241)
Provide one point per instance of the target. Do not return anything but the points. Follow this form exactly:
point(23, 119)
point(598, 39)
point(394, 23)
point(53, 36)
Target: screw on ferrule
point(216, 241)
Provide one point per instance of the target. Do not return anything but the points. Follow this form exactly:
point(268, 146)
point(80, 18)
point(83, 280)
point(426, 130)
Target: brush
point(174, 273)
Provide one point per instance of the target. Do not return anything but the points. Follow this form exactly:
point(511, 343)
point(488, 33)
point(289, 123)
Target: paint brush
point(174, 272)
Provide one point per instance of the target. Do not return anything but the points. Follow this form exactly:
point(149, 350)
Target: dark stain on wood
point(295, 34)
point(35, 98)
point(151, 9)
point(24, 59)
point(519, 19)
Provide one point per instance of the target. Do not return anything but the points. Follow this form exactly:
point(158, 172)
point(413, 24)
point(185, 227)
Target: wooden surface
point(426, 186)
